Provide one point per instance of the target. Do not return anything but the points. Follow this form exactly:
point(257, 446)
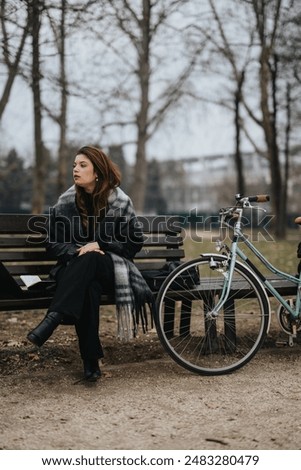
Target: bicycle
point(213, 312)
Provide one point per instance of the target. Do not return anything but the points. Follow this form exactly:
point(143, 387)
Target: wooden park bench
point(22, 253)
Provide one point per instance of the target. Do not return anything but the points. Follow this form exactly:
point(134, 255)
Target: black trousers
point(80, 285)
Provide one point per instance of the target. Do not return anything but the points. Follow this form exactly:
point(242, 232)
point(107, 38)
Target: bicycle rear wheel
point(198, 342)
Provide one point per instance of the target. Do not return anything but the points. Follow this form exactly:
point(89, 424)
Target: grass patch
point(282, 254)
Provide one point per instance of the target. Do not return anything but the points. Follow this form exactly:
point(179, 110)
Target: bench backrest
point(22, 238)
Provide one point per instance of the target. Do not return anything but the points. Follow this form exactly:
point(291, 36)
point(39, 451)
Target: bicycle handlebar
point(231, 212)
point(259, 198)
point(245, 199)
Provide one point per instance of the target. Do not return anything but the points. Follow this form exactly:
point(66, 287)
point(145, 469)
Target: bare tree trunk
point(138, 186)
point(268, 129)
point(59, 33)
point(62, 156)
point(238, 157)
point(286, 154)
point(281, 225)
point(12, 66)
point(38, 196)
point(269, 116)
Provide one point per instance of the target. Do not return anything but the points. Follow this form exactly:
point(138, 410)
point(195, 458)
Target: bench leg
point(211, 344)
point(169, 318)
point(230, 325)
point(185, 317)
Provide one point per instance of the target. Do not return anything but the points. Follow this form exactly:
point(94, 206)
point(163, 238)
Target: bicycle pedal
point(281, 343)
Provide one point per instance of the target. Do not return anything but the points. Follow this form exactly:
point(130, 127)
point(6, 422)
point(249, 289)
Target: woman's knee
point(89, 258)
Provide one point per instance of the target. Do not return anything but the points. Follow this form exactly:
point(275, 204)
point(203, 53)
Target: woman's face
point(83, 173)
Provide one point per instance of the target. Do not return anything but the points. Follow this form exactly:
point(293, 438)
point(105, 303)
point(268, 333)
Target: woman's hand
point(90, 247)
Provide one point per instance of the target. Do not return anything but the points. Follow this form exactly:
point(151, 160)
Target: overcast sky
point(206, 131)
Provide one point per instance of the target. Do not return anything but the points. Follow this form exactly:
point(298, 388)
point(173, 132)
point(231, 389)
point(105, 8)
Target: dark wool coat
point(119, 231)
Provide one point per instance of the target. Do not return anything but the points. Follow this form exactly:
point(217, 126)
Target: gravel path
point(144, 400)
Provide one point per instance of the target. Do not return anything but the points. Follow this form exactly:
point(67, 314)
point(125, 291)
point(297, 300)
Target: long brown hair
point(108, 178)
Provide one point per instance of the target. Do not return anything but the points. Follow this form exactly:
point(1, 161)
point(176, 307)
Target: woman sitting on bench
point(94, 233)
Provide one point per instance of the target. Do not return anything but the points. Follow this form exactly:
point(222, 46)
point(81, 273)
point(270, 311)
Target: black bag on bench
point(155, 277)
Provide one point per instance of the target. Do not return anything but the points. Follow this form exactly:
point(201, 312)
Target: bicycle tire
point(211, 346)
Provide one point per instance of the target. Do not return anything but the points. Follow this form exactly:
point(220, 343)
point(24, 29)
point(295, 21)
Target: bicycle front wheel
point(197, 340)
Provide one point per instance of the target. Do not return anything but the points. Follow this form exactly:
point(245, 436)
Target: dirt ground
point(143, 400)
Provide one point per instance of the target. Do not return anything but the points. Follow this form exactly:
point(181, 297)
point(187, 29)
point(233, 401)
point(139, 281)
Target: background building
point(209, 182)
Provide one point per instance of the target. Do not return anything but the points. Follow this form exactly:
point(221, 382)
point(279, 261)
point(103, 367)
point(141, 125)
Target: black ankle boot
point(91, 370)
point(44, 330)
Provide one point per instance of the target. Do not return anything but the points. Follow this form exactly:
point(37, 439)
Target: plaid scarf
point(132, 295)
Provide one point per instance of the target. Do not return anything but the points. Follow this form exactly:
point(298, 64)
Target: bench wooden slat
point(284, 287)
point(26, 223)
point(20, 256)
point(155, 254)
point(14, 242)
point(18, 223)
point(35, 301)
point(44, 269)
point(38, 269)
point(146, 265)
point(151, 240)
point(163, 240)
point(41, 256)
point(160, 224)
point(239, 289)
point(31, 303)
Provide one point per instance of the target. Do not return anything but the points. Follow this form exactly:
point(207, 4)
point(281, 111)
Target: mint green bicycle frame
point(234, 251)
